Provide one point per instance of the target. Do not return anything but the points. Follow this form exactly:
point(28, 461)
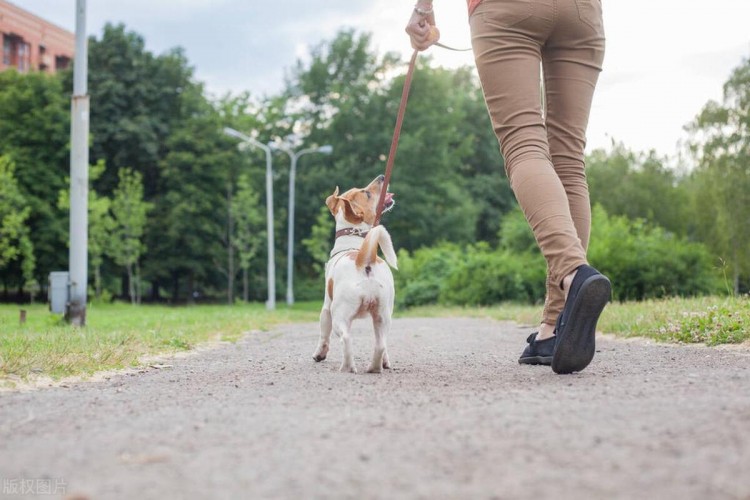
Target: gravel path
point(456, 417)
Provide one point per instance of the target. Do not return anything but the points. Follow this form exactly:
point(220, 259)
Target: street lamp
point(271, 302)
point(327, 149)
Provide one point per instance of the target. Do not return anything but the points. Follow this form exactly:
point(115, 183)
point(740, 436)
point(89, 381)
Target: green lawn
point(119, 335)
point(709, 320)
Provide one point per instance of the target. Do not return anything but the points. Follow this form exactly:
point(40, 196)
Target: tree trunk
point(735, 272)
point(137, 283)
point(230, 247)
point(245, 286)
point(131, 291)
point(97, 281)
point(191, 292)
point(175, 288)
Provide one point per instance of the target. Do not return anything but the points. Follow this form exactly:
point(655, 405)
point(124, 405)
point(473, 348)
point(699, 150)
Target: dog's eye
point(369, 195)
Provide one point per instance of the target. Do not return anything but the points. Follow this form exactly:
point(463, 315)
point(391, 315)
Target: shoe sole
point(576, 342)
point(536, 360)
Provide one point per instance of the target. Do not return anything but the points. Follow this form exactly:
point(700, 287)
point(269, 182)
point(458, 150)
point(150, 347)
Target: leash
point(396, 134)
point(397, 129)
point(451, 48)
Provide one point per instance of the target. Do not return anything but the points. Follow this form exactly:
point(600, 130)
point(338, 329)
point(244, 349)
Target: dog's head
point(360, 205)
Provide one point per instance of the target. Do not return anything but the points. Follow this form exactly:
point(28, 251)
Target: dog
point(358, 282)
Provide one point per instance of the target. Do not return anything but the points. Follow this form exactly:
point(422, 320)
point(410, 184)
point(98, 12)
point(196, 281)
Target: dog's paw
point(321, 353)
point(319, 357)
point(386, 364)
point(347, 369)
point(375, 369)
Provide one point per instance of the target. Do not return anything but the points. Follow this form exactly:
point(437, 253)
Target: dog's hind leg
point(342, 330)
point(325, 335)
point(381, 326)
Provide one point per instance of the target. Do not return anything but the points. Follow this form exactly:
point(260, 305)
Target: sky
point(665, 58)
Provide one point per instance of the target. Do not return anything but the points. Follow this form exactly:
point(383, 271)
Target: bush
point(643, 261)
point(421, 277)
point(474, 275)
point(486, 277)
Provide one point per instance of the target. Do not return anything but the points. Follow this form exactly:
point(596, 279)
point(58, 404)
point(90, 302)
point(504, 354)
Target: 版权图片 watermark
point(33, 486)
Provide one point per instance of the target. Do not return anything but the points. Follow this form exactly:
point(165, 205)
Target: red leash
point(396, 134)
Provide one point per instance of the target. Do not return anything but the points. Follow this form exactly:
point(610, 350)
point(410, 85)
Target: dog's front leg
point(325, 335)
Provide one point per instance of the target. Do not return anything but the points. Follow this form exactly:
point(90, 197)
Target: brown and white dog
point(358, 282)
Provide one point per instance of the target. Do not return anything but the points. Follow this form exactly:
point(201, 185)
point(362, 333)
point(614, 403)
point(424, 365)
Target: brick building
point(31, 43)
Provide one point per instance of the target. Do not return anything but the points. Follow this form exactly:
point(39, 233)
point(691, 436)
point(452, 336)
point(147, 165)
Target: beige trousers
point(543, 150)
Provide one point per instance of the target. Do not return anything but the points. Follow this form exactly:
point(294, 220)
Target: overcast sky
point(665, 58)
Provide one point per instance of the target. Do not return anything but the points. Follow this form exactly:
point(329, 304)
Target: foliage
point(15, 244)
point(136, 102)
point(319, 243)
point(448, 169)
point(638, 186)
point(128, 222)
point(100, 223)
point(721, 143)
point(249, 233)
point(150, 115)
point(34, 135)
point(422, 274)
point(718, 324)
point(485, 277)
point(645, 261)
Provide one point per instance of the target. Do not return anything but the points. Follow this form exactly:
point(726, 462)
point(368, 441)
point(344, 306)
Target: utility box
point(58, 291)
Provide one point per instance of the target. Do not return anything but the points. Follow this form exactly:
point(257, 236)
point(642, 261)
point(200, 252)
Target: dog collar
point(351, 231)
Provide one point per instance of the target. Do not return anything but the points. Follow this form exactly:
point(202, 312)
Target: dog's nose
point(380, 178)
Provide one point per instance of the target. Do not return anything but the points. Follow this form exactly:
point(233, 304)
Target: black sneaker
point(576, 325)
point(538, 352)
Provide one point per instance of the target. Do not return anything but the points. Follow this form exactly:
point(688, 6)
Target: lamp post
point(79, 176)
point(294, 156)
point(271, 302)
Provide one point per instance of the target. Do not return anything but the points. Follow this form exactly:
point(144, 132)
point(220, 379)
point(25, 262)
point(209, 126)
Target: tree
point(248, 229)
point(15, 244)
point(319, 243)
point(129, 216)
point(138, 100)
point(449, 192)
point(638, 186)
point(100, 224)
point(189, 236)
point(35, 136)
point(721, 144)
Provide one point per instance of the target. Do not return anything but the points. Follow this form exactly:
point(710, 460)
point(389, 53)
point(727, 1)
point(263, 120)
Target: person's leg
point(507, 40)
point(572, 60)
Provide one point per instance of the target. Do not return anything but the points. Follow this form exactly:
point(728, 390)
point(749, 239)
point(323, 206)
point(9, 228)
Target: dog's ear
point(350, 213)
point(332, 201)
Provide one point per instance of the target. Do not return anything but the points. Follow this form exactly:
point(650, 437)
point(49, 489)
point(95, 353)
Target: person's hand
point(421, 27)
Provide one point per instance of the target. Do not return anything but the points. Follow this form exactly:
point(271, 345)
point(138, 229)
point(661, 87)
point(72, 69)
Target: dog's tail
point(368, 254)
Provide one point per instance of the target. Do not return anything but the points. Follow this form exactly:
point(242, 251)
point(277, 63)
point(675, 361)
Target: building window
point(7, 50)
point(61, 62)
point(43, 66)
point(24, 56)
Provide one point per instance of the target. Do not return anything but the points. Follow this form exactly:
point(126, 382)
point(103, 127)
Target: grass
point(119, 335)
point(709, 320)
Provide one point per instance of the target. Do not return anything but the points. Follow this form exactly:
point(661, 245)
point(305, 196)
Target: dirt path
point(456, 417)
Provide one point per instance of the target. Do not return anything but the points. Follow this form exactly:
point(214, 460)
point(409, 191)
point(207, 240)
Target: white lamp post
point(79, 175)
point(271, 302)
point(294, 156)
